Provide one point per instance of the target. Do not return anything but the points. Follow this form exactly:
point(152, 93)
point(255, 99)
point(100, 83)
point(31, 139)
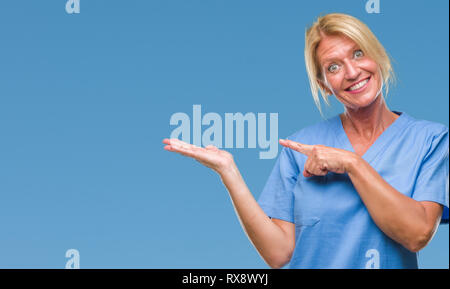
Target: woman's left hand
point(322, 159)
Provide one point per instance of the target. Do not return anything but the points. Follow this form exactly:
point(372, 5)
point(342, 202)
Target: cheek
point(378, 79)
point(336, 80)
point(370, 67)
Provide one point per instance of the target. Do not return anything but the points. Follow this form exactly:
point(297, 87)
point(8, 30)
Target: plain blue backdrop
point(85, 101)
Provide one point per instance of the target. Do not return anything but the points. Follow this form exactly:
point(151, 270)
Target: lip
point(361, 88)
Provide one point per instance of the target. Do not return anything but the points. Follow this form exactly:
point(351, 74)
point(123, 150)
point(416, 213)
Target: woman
point(364, 189)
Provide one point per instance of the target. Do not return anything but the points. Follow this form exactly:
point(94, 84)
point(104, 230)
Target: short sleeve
point(277, 197)
point(432, 183)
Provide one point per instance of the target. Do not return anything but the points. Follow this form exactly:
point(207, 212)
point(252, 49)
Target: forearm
point(401, 218)
point(269, 239)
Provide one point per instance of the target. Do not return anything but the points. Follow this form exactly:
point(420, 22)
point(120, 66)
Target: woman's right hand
point(210, 156)
point(274, 239)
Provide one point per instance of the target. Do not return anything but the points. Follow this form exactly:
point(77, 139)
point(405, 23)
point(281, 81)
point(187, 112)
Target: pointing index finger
point(301, 148)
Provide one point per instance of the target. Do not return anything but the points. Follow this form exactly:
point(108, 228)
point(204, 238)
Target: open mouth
point(359, 86)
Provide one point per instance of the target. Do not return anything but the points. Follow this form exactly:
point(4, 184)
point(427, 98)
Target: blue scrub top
point(333, 228)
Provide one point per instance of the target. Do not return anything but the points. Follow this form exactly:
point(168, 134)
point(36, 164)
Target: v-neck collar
point(379, 143)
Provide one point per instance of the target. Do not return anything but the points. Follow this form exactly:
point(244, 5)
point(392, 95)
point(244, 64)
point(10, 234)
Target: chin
point(361, 103)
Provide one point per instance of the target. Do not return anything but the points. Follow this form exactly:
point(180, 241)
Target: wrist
point(231, 178)
point(229, 169)
point(352, 163)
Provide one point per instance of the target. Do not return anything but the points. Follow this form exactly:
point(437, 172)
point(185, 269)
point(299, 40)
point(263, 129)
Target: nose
point(351, 70)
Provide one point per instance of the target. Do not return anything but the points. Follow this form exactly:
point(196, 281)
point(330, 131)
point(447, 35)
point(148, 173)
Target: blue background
point(85, 101)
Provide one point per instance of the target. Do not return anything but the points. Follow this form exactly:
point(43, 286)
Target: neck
point(368, 122)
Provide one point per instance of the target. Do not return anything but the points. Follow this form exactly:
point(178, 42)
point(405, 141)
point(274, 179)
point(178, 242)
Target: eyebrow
point(334, 57)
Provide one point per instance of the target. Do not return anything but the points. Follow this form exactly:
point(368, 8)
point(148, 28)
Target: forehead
point(334, 46)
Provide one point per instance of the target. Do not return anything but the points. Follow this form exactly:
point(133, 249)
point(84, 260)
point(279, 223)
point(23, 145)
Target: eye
point(358, 53)
point(333, 67)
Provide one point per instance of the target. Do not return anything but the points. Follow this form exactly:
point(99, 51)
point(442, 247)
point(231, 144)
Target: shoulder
point(318, 132)
point(425, 129)
point(432, 137)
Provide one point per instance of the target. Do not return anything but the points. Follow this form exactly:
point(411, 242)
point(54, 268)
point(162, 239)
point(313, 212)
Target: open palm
point(209, 156)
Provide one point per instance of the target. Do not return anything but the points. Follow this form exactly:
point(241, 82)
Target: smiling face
point(354, 78)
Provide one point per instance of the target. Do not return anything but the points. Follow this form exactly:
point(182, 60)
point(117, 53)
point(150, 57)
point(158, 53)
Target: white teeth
point(359, 85)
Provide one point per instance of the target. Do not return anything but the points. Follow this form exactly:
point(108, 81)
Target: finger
point(304, 148)
point(184, 150)
point(314, 172)
point(211, 147)
point(197, 153)
point(174, 140)
point(168, 148)
point(301, 148)
point(307, 168)
point(315, 166)
point(173, 148)
point(307, 174)
point(318, 171)
point(182, 144)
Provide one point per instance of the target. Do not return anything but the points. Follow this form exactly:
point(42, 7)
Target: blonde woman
point(363, 189)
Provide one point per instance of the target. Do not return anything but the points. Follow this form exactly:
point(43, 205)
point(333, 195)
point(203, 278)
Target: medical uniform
point(333, 228)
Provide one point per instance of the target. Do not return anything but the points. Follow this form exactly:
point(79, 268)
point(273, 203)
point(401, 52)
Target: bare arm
point(273, 239)
point(405, 220)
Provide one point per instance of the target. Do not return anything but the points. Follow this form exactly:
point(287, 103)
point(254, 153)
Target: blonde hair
point(351, 27)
